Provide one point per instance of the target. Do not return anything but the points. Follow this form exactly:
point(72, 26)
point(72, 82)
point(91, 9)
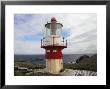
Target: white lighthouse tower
point(53, 43)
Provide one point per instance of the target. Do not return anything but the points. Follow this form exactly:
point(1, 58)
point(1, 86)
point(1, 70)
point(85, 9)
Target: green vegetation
point(18, 73)
point(26, 65)
point(29, 65)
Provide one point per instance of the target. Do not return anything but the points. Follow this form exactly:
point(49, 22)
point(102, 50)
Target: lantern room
point(53, 27)
point(53, 34)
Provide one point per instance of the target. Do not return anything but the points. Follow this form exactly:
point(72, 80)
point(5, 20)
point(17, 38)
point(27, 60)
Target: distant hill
point(82, 58)
point(84, 62)
point(87, 59)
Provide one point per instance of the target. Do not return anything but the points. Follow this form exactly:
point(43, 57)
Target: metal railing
point(62, 43)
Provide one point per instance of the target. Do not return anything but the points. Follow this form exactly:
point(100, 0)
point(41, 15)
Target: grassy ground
point(85, 64)
point(29, 65)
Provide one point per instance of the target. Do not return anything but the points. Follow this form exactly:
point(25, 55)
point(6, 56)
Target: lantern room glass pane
point(50, 32)
point(53, 32)
point(53, 29)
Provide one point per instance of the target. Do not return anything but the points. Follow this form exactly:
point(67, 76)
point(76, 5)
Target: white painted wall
point(54, 65)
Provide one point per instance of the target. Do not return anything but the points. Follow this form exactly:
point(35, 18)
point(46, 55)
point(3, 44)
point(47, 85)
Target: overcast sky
point(79, 29)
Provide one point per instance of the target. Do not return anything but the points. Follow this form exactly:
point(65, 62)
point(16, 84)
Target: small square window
point(54, 50)
point(48, 50)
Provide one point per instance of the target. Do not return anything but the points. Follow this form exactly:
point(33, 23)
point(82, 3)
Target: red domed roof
point(53, 19)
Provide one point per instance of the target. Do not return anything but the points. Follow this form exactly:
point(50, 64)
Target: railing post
point(66, 43)
point(63, 39)
point(41, 43)
point(53, 41)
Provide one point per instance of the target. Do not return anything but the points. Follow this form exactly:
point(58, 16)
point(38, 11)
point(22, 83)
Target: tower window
point(54, 50)
point(48, 50)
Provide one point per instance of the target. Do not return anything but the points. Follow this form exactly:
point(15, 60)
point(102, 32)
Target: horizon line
point(64, 53)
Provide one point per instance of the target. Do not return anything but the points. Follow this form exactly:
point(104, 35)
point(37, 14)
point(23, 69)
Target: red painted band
point(54, 55)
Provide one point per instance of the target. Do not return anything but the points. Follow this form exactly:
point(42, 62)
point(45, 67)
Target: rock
point(70, 72)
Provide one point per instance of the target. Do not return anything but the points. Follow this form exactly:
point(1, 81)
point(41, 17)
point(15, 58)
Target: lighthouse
point(53, 42)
